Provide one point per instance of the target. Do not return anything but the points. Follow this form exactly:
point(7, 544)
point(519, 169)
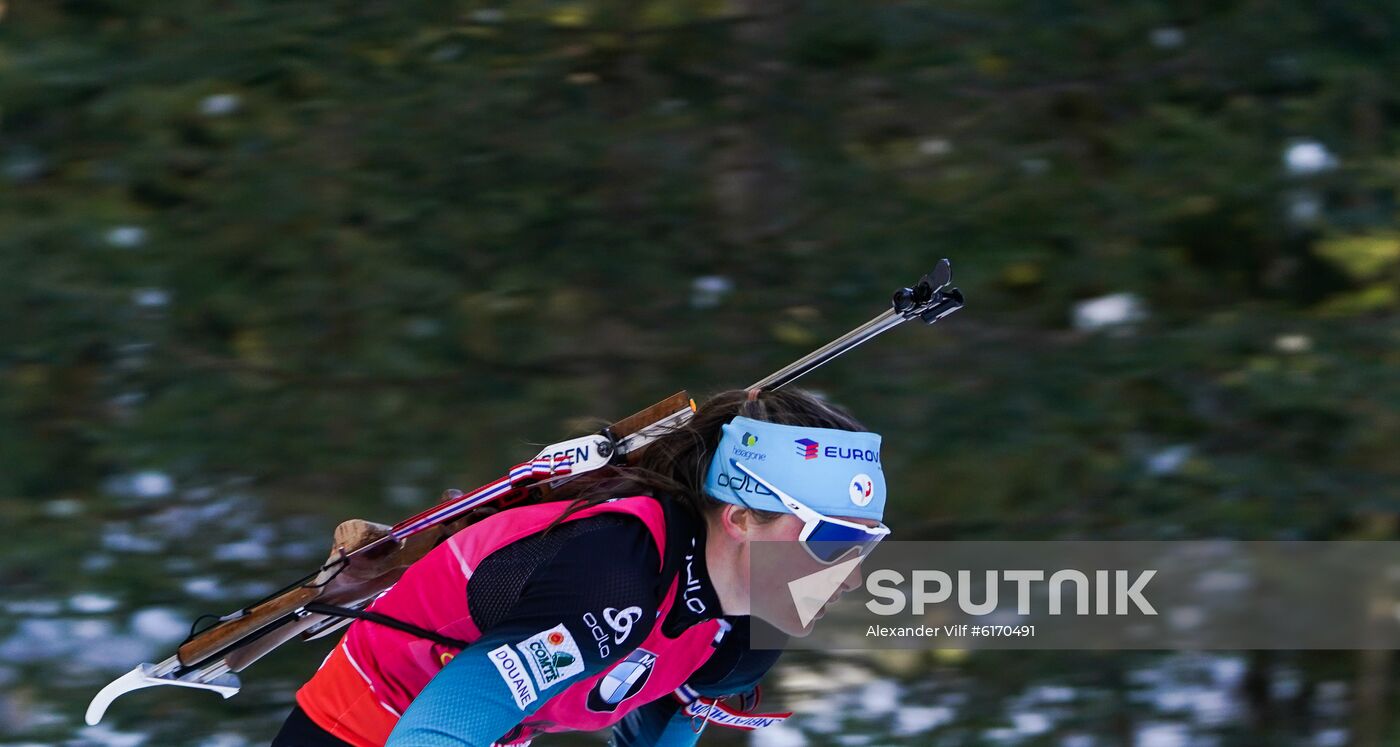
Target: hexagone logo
point(807, 448)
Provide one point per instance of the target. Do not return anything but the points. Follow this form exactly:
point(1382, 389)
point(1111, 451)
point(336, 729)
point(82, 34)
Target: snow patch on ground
point(92, 602)
point(1113, 310)
point(778, 735)
point(160, 624)
point(106, 736)
point(1308, 157)
point(125, 237)
point(911, 720)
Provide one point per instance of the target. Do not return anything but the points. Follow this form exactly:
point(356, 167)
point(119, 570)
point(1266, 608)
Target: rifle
point(368, 558)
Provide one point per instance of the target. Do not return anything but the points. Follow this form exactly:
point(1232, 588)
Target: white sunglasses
point(826, 539)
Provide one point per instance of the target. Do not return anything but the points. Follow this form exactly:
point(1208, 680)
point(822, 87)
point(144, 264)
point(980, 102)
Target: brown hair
point(673, 467)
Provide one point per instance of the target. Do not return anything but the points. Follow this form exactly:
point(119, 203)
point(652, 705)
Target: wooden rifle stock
point(637, 421)
point(228, 632)
point(346, 581)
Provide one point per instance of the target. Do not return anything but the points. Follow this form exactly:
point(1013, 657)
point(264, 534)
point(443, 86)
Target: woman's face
point(771, 597)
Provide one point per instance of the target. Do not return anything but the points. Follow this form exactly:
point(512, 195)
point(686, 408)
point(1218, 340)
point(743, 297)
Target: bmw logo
point(622, 681)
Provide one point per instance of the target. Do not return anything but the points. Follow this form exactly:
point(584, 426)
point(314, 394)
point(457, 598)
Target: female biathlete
point(612, 606)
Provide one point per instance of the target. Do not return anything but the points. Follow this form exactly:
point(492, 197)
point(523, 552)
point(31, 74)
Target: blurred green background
point(268, 265)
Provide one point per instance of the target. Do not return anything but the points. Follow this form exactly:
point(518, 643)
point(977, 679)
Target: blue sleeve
point(731, 670)
point(479, 696)
point(660, 723)
point(545, 639)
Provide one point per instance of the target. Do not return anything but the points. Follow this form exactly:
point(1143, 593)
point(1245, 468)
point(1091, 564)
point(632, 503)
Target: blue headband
point(835, 472)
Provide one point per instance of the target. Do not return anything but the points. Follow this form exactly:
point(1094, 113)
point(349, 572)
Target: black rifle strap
point(331, 610)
